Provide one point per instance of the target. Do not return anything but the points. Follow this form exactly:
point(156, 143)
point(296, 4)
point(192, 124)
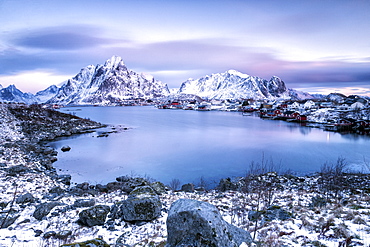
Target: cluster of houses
point(350, 114)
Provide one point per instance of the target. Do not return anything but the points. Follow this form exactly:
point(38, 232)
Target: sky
point(317, 46)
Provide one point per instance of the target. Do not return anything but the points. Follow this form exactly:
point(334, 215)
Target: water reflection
point(167, 144)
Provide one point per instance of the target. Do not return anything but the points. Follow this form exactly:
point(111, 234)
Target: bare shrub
point(175, 184)
point(332, 178)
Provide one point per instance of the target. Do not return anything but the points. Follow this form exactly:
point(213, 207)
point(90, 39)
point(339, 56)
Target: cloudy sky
point(318, 46)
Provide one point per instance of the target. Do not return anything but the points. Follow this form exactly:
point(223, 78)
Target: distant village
point(342, 114)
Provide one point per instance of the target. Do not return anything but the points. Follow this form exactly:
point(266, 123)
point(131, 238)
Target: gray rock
point(91, 243)
point(142, 204)
point(318, 201)
point(188, 187)
point(56, 190)
point(83, 203)
point(6, 221)
point(38, 233)
point(94, 216)
point(49, 234)
point(3, 204)
point(65, 179)
point(127, 184)
point(158, 187)
point(254, 215)
point(44, 209)
point(25, 198)
point(18, 169)
point(63, 234)
point(276, 213)
point(65, 148)
point(272, 213)
point(195, 223)
point(226, 184)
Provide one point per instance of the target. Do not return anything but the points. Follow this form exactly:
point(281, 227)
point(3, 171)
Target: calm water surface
point(188, 145)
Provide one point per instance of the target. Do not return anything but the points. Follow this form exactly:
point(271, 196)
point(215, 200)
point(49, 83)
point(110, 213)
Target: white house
point(309, 104)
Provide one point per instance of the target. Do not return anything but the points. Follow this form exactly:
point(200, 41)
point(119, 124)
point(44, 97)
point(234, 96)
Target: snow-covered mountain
point(235, 85)
point(107, 84)
point(12, 94)
point(45, 95)
point(336, 97)
point(300, 95)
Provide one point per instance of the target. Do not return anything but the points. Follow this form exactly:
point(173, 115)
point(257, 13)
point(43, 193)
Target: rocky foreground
point(38, 207)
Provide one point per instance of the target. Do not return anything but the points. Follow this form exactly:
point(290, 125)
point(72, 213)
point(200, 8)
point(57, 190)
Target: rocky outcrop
point(196, 223)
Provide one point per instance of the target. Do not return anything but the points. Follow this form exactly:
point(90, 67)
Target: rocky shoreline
point(38, 207)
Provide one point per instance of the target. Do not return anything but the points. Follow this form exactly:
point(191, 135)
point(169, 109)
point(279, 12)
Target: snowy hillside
point(233, 84)
point(108, 83)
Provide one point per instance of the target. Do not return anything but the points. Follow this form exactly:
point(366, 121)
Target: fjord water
point(188, 145)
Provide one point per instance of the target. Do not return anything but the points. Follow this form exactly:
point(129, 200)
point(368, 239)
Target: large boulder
point(142, 204)
point(94, 216)
point(196, 223)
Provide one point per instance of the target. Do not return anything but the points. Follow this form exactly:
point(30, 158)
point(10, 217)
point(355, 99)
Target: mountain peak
point(114, 62)
point(237, 73)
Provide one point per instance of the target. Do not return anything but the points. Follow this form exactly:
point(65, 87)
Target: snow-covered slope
point(233, 85)
point(12, 94)
point(45, 95)
point(107, 84)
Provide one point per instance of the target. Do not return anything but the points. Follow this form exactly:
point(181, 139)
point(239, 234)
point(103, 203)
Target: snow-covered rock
point(233, 85)
point(109, 83)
